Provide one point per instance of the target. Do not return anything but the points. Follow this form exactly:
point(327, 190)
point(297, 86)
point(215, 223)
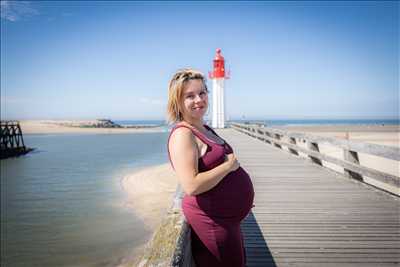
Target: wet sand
point(149, 193)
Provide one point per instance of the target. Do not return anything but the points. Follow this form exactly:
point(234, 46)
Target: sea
point(63, 203)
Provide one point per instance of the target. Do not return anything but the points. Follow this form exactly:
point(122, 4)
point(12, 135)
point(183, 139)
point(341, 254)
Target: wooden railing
point(351, 165)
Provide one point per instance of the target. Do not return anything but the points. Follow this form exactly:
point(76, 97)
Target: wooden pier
point(11, 140)
point(306, 214)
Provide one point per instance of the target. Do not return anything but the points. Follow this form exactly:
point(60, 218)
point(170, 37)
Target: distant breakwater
point(99, 123)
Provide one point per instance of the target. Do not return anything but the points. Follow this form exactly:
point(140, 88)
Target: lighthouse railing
point(309, 146)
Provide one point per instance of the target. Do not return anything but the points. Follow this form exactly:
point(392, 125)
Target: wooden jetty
point(305, 214)
point(11, 140)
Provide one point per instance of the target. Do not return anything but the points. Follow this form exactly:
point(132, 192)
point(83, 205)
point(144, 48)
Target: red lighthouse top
point(219, 66)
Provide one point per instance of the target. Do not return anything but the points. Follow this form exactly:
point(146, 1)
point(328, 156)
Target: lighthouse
point(218, 91)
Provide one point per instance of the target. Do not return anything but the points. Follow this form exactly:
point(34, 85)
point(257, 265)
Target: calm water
point(63, 204)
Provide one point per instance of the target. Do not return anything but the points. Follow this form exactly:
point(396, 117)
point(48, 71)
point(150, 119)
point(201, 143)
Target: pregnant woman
point(218, 192)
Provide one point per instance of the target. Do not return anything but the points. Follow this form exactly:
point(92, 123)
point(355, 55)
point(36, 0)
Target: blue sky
point(86, 60)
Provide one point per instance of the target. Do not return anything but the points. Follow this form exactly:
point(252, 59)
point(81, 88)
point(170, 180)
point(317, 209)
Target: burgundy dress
point(215, 215)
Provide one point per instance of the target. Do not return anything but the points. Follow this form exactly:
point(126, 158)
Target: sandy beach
point(149, 193)
point(70, 126)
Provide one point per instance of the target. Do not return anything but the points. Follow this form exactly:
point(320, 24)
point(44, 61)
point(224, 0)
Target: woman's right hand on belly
point(232, 162)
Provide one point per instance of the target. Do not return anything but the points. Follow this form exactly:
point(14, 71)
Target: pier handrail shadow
point(257, 250)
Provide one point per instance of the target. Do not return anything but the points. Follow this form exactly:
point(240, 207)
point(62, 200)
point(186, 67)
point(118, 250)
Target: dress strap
point(228, 148)
point(212, 130)
point(194, 131)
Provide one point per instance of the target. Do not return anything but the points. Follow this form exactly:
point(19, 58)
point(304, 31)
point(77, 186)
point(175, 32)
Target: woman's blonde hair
point(175, 92)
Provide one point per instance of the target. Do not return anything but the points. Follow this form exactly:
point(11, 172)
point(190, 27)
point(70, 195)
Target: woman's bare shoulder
point(181, 134)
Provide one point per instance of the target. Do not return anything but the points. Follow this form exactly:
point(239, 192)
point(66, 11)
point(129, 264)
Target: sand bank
point(150, 193)
point(60, 127)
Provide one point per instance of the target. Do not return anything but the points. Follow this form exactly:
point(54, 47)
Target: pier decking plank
point(306, 215)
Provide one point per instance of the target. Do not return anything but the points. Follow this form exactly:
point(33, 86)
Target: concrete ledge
point(171, 243)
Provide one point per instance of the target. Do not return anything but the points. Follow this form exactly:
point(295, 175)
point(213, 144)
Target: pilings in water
point(11, 140)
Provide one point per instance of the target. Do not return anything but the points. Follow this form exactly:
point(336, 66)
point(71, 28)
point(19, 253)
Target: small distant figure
point(219, 193)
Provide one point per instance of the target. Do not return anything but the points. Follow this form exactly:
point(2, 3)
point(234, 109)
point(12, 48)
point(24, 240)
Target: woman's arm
point(184, 156)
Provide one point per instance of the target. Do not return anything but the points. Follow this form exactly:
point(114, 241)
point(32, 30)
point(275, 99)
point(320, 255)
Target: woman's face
point(195, 100)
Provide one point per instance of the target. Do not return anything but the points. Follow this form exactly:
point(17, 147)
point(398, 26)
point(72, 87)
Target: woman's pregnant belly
point(231, 199)
point(233, 196)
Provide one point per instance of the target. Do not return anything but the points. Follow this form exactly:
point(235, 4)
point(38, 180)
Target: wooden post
point(20, 137)
point(269, 135)
point(352, 157)
point(292, 140)
point(278, 137)
point(260, 133)
point(314, 147)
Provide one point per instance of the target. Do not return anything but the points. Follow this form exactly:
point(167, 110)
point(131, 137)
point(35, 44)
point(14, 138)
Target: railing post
point(269, 135)
point(260, 133)
point(314, 147)
point(277, 137)
point(292, 140)
point(352, 157)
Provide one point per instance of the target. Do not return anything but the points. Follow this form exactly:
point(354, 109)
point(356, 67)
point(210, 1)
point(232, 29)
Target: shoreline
point(79, 127)
point(152, 186)
point(149, 194)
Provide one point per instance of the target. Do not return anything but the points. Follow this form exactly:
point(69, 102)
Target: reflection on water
point(63, 204)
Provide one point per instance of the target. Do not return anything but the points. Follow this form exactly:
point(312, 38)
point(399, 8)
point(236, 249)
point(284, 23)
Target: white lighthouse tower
point(218, 91)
